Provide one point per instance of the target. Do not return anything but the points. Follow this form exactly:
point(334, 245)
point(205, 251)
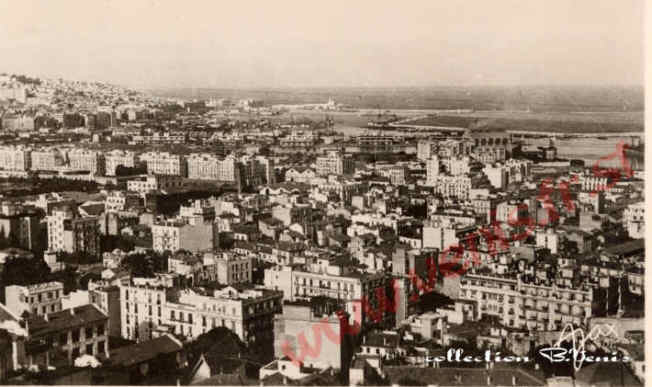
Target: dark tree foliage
point(39, 186)
point(69, 278)
point(146, 265)
point(23, 271)
point(112, 242)
point(408, 381)
point(77, 258)
point(122, 170)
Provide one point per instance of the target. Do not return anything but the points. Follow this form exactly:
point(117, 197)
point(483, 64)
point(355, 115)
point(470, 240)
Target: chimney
point(46, 318)
point(513, 380)
point(72, 311)
point(285, 380)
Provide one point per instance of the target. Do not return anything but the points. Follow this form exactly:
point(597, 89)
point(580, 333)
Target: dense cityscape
point(166, 241)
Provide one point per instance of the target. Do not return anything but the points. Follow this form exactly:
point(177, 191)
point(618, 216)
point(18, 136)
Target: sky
point(249, 44)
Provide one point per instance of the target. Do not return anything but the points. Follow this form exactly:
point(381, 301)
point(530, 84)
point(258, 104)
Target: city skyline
point(297, 45)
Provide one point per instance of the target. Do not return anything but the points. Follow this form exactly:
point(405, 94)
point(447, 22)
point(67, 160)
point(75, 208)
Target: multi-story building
point(256, 170)
point(549, 239)
point(233, 269)
point(39, 299)
point(511, 171)
point(375, 144)
point(426, 149)
point(432, 171)
point(163, 163)
point(75, 331)
point(334, 163)
point(634, 220)
point(46, 160)
point(120, 201)
point(15, 158)
point(72, 233)
point(107, 298)
point(592, 183)
point(178, 234)
point(147, 311)
point(395, 173)
point(118, 157)
point(358, 290)
point(198, 211)
point(146, 184)
point(527, 305)
point(17, 122)
point(87, 160)
point(21, 225)
point(210, 167)
point(458, 187)
point(296, 321)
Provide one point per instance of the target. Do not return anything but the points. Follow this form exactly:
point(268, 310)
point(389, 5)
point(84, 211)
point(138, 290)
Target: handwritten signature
point(578, 339)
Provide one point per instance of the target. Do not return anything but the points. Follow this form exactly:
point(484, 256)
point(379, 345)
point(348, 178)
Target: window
point(190, 318)
point(149, 310)
point(52, 308)
point(159, 311)
point(126, 294)
point(89, 349)
point(39, 297)
point(75, 353)
point(100, 347)
point(63, 339)
point(100, 329)
point(75, 335)
point(50, 295)
point(89, 332)
point(203, 321)
point(171, 315)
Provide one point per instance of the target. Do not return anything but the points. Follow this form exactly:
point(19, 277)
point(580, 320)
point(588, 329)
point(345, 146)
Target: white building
point(163, 163)
point(176, 234)
point(87, 160)
point(634, 220)
point(15, 158)
point(118, 157)
point(334, 163)
point(39, 299)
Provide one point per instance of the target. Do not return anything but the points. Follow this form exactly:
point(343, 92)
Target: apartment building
point(148, 311)
point(210, 167)
point(508, 172)
point(334, 163)
point(47, 160)
point(548, 238)
point(120, 201)
point(15, 158)
point(527, 305)
point(87, 160)
point(119, 157)
point(426, 149)
point(21, 224)
point(75, 331)
point(38, 299)
point(233, 268)
point(458, 187)
point(72, 233)
point(432, 171)
point(146, 184)
point(324, 279)
point(634, 220)
point(164, 163)
point(173, 235)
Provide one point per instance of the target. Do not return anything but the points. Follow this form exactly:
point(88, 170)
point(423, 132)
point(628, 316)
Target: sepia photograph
point(342, 193)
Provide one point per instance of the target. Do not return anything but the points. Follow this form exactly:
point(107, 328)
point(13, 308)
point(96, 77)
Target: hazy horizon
point(290, 44)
